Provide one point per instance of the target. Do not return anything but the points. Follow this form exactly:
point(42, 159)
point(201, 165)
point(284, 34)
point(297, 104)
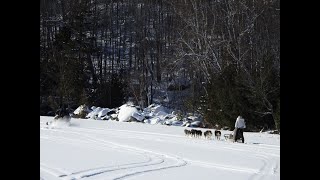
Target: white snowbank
point(137, 116)
point(193, 118)
point(93, 113)
point(81, 108)
point(126, 112)
point(195, 123)
point(155, 120)
point(112, 150)
point(103, 112)
point(155, 108)
point(161, 113)
point(153, 114)
point(114, 116)
point(177, 123)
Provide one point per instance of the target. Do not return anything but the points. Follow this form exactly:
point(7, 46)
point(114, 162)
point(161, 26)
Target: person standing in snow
point(60, 113)
point(238, 130)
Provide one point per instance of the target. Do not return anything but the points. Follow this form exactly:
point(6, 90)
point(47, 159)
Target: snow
point(156, 108)
point(95, 112)
point(155, 120)
point(60, 122)
point(161, 113)
point(114, 116)
point(80, 109)
point(137, 116)
point(153, 114)
point(193, 118)
point(195, 123)
point(102, 150)
point(126, 112)
point(103, 112)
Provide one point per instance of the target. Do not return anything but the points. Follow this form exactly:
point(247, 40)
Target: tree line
point(224, 53)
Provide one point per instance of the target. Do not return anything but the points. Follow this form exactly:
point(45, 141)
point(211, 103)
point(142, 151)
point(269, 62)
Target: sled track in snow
point(268, 169)
point(157, 161)
point(97, 171)
point(260, 149)
point(54, 172)
point(152, 160)
point(224, 167)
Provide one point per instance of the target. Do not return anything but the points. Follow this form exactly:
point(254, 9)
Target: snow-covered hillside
point(101, 150)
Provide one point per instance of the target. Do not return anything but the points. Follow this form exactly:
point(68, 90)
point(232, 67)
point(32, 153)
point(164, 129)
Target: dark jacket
point(62, 112)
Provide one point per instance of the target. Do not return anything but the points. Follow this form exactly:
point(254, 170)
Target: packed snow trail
point(90, 149)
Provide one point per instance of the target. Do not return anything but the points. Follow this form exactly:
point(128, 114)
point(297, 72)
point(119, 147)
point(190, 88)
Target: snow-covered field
point(100, 150)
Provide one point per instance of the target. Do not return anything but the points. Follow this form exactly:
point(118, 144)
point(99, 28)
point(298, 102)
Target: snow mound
point(80, 109)
point(103, 112)
point(125, 112)
point(94, 113)
point(195, 124)
point(155, 108)
point(155, 120)
point(193, 118)
point(114, 116)
point(137, 116)
point(153, 114)
point(161, 113)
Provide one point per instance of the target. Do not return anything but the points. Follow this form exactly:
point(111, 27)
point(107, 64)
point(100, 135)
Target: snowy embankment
point(153, 114)
point(103, 150)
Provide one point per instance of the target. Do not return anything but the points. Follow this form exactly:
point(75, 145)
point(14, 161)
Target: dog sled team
point(236, 136)
point(198, 133)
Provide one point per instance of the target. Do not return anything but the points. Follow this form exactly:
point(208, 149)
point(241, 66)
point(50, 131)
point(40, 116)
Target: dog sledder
point(233, 138)
point(238, 130)
point(238, 135)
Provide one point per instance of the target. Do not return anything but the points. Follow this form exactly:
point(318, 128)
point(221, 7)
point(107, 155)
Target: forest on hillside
point(219, 58)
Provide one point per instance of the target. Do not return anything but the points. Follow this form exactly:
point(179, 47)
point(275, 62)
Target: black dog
point(207, 134)
point(217, 134)
point(187, 132)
